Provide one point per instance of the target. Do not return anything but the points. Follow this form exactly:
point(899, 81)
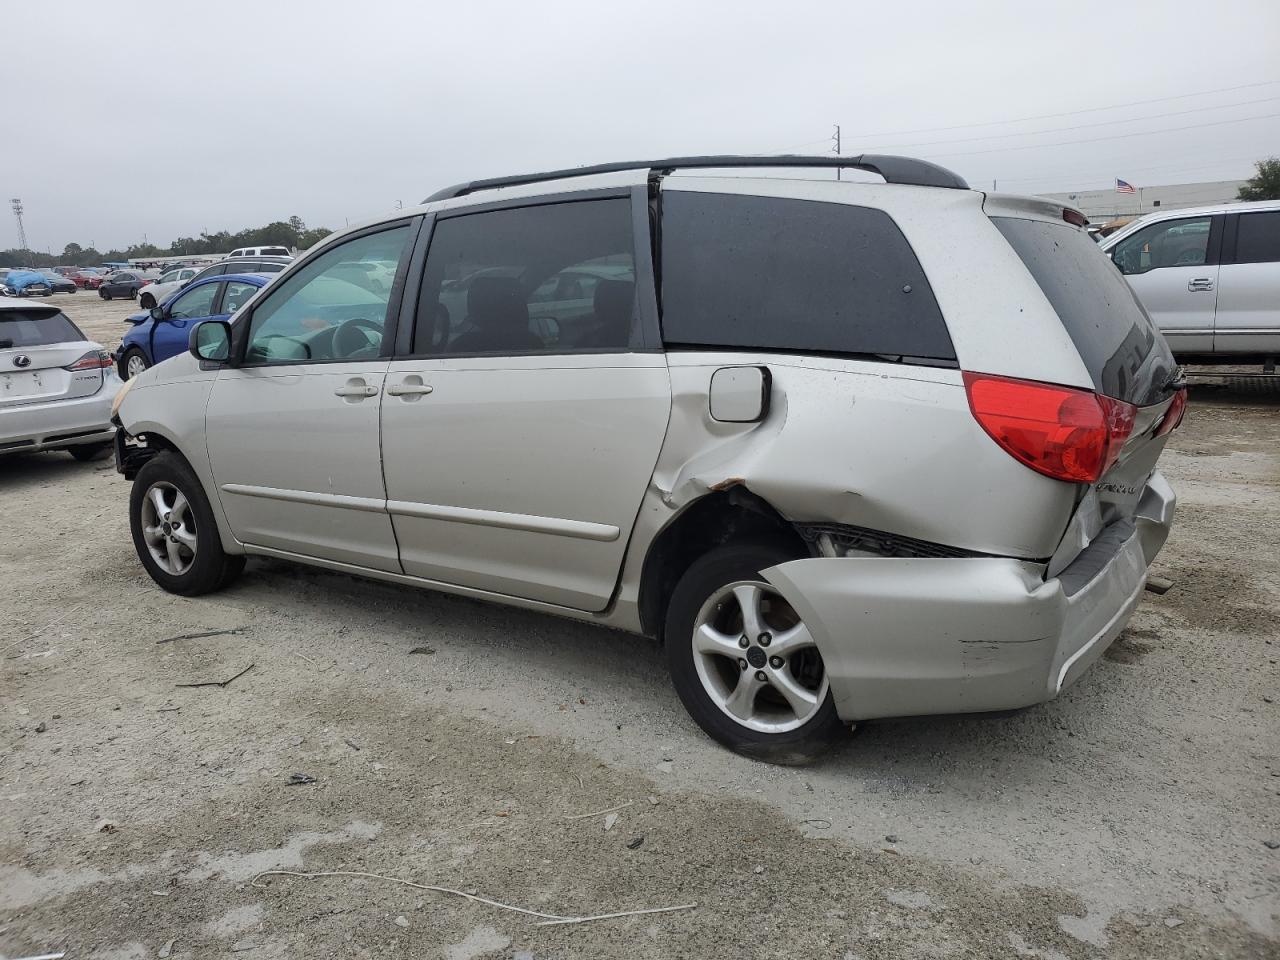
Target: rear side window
point(761, 273)
point(1120, 347)
point(1258, 238)
point(269, 267)
point(32, 328)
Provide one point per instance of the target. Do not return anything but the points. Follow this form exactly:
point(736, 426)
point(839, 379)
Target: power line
point(1117, 136)
point(1127, 168)
point(1082, 126)
point(1068, 113)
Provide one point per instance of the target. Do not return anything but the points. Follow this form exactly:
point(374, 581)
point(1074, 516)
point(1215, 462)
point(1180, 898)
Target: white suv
point(849, 450)
point(1209, 277)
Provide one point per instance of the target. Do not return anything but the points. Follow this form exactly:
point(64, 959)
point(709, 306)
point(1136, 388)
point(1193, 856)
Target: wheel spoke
point(179, 512)
point(157, 503)
point(175, 556)
point(749, 598)
point(709, 640)
point(802, 701)
point(789, 641)
point(186, 538)
point(152, 535)
point(741, 703)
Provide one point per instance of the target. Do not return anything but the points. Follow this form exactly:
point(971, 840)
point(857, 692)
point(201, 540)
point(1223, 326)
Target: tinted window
point(761, 273)
point(1258, 238)
point(1124, 354)
point(31, 328)
point(316, 314)
point(269, 267)
point(555, 278)
point(196, 302)
point(1174, 243)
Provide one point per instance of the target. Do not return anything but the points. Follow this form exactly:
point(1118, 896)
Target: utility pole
point(835, 139)
point(16, 203)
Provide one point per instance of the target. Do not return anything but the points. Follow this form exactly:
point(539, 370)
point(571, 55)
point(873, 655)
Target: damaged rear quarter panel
point(879, 445)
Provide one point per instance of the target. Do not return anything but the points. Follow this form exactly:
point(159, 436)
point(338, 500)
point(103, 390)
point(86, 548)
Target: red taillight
point(1064, 433)
point(1173, 416)
point(93, 360)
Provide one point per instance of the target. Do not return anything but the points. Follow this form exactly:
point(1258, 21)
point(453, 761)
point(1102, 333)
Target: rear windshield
point(34, 328)
point(763, 273)
point(1124, 353)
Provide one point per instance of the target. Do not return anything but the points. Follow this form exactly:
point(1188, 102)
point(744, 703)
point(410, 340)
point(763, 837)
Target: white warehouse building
point(1103, 205)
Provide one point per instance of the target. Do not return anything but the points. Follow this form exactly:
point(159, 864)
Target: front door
point(169, 337)
point(293, 431)
point(1249, 285)
point(1172, 266)
point(520, 436)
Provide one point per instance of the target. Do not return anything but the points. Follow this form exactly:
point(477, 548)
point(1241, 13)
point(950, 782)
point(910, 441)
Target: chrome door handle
point(409, 390)
point(356, 390)
point(1200, 283)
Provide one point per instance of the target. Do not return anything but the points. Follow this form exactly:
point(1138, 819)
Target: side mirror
point(211, 341)
point(157, 313)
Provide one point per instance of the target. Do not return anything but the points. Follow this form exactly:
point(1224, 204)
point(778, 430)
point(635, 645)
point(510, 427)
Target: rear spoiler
point(1031, 208)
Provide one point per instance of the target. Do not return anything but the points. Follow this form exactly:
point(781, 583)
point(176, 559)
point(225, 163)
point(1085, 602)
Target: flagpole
point(1139, 201)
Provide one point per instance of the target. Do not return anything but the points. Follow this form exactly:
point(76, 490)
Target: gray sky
point(166, 119)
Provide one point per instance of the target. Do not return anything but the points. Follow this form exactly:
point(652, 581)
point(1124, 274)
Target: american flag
point(1123, 186)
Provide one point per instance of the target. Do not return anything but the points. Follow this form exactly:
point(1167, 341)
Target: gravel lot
point(1127, 819)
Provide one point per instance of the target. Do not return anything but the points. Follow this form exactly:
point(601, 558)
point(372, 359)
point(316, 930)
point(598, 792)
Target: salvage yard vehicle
point(848, 450)
point(152, 293)
point(1209, 277)
point(26, 283)
point(164, 331)
point(59, 283)
point(124, 283)
point(56, 386)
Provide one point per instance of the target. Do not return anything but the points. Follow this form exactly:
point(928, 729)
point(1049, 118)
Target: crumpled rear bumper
point(905, 637)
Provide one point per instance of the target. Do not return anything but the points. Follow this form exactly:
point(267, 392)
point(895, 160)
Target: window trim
point(650, 338)
point(240, 329)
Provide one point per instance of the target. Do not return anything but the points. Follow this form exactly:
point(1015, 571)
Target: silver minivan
point(849, 450)
point(1209, 277)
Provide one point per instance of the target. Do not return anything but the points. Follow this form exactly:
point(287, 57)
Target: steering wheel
point(356, 336)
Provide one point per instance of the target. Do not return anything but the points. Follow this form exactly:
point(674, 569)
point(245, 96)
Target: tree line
point(291, 233)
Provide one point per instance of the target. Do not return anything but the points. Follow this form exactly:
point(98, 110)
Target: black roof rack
point(905, 170)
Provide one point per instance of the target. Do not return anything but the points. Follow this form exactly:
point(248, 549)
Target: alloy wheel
point(169, 528)
point(137, 363)
point(757, 660)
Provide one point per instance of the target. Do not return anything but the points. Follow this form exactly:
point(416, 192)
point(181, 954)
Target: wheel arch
point(734, 515)
point(160, 439)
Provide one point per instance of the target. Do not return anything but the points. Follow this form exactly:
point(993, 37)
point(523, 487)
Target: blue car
point(163, 332)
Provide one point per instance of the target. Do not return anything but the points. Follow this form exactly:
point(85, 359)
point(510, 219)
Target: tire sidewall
point(703, 578)
point(124, 363)
point(207, 571)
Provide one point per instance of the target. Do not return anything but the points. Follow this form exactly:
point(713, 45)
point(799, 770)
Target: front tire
point(132, 363)
point(767, 699)
point(147, 301)
point(174, 531)
point(104, 295)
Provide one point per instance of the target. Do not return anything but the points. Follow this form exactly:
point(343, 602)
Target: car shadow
point(20, 470)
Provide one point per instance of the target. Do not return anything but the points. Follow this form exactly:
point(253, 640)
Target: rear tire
point(174, 530)
point(84, 452)
point(790, 716)
point(133, 294)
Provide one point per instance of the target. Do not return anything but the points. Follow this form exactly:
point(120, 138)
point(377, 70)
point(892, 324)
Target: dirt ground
point(1129, 818)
